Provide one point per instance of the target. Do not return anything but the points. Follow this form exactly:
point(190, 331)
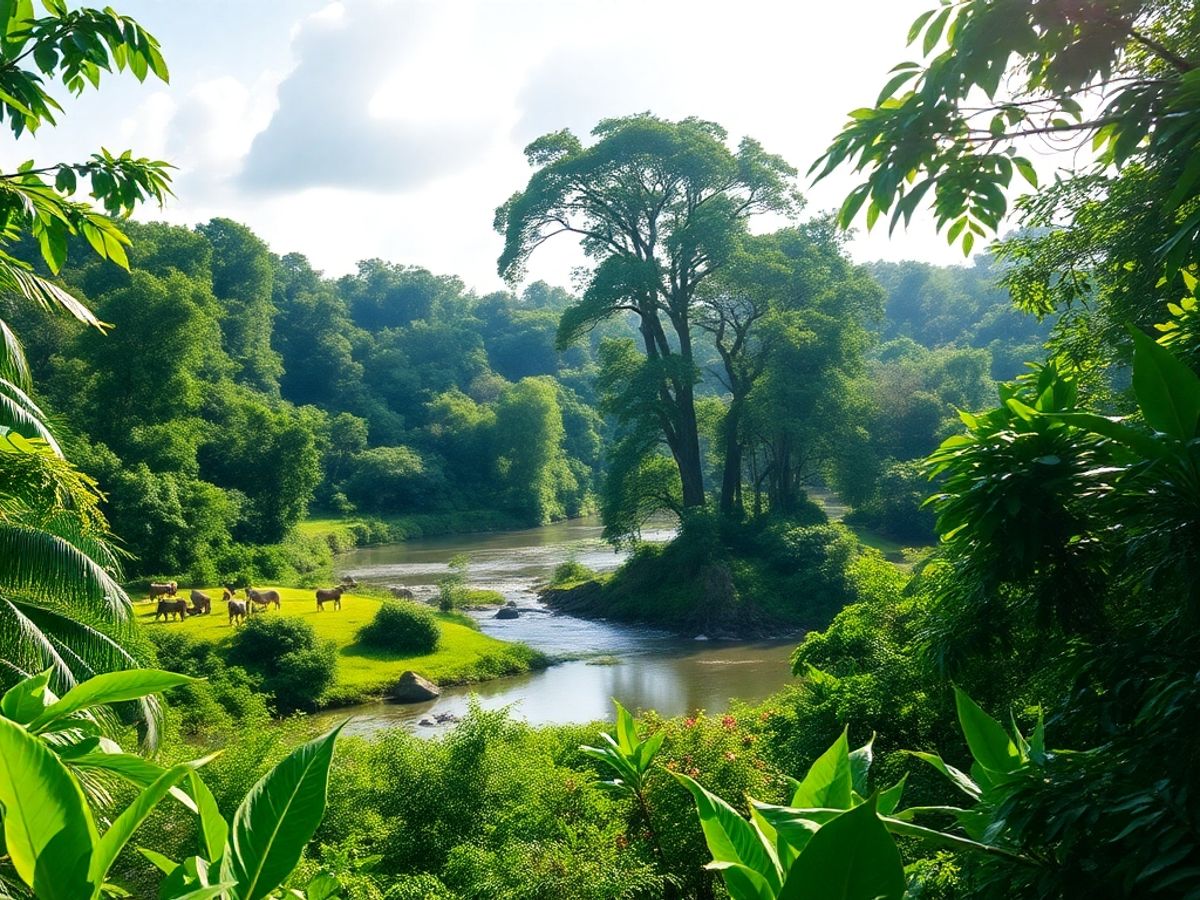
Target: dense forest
point(1009, 712)
point(239, 390)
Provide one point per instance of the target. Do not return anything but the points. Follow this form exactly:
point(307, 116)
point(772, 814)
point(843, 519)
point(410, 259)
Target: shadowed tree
point(659, 206)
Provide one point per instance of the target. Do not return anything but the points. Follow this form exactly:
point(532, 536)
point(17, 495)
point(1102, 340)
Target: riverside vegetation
point(1011, 717)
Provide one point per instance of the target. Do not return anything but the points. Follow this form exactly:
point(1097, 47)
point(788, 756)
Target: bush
point(570, 572)
point(295, 667)
point(401, 627)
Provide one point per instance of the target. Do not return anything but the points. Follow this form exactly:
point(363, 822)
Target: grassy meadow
point(463, 654)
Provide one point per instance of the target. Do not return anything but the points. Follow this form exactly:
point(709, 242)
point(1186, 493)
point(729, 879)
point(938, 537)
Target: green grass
point(468, 596)
point(463, 654)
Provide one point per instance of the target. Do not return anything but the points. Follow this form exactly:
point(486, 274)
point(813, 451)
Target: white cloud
point(394, 128)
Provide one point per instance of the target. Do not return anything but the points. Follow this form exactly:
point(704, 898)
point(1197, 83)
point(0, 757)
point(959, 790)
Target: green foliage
point(402, 627)
point(294, 666)
point(571, 571)
point(690, 220)
point(923, 133)
point(531, 458)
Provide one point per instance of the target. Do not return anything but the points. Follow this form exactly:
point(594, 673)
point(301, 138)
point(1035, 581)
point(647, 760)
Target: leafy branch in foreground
point(1119, 76)
point(49, 746)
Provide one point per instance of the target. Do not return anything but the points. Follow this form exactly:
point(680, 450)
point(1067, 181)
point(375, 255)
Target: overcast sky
point(393, 128)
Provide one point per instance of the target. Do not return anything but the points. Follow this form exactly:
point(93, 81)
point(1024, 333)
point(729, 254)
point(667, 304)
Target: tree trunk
point(691, 473)
point(731, 474)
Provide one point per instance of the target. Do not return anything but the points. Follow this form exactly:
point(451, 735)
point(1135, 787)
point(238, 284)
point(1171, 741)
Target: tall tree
point(800, 276)
point(659, 206)
point(243, 279)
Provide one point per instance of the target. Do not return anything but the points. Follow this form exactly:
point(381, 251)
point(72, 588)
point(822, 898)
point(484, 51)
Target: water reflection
point(644, 668)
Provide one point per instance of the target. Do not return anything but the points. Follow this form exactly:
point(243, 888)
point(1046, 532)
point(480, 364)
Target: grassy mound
point(462, 654)
point(727, 580)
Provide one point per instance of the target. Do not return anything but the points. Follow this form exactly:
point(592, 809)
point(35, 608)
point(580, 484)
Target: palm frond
point(13, 365)
point(21, 414)
point(44, 565)
point(45, 293)
point(37, 635)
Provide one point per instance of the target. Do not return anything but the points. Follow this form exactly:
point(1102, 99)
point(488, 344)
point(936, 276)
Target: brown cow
point(163, 589)
point(263, 598)
point(325, 595)
point(237, 610)
point(168, 608)
point(201, 603)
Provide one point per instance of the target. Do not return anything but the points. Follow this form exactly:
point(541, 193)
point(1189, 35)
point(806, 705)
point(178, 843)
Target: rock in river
point(507, 612)
point(412, 688)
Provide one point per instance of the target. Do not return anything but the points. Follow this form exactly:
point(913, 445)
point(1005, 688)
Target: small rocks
point(507, 612)
point(444, 718)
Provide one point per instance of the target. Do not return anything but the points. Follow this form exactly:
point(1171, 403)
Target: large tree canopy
point(659, 206)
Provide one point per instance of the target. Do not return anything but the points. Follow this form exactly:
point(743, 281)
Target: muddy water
point(643, 668)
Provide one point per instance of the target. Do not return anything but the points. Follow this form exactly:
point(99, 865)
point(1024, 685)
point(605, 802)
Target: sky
point(393, 128)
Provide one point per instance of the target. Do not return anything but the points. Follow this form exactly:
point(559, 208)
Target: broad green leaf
point(627, 737)
point(961, 780)
point(208, 892)
point(26, 699)
point(730, 838)
point(213, 827)
point(889, 798)
point(939, 838)
point(743, 882)
point(110, 687)
point(1168, 392)
point(829, 781)
point(322, 886)
point(991, 746)
point(48, 831)
point(277, 819)
point(164, 864)
point(860, 766)
point(133, 769)
point(793, 827)
point(850, 858)
point(135, 814)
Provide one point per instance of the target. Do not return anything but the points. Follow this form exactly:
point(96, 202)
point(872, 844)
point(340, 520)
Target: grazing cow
point(168, 608)
point(403, 593)
point(201, 603)
point(263, 598)
point(325, 595)
point(237, 610)
point(163, 589)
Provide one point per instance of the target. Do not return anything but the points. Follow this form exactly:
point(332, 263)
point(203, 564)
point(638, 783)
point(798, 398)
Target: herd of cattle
point(201, 603)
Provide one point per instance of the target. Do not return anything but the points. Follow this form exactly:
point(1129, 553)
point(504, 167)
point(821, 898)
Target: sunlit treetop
point(1115, 80)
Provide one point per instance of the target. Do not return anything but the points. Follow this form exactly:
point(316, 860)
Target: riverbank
point(343, 534)
point(463, 655)
point(729, 581)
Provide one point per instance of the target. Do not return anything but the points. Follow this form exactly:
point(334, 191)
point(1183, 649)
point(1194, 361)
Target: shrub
point(295, 667)
point(401, 627)
point(570, 572)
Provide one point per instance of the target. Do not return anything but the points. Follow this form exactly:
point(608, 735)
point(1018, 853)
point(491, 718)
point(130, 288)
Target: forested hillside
point(238, 390)
point(235, 390)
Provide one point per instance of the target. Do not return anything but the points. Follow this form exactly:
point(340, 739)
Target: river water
point(644, 668)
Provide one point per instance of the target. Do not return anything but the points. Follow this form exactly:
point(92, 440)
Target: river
point(644, 668)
